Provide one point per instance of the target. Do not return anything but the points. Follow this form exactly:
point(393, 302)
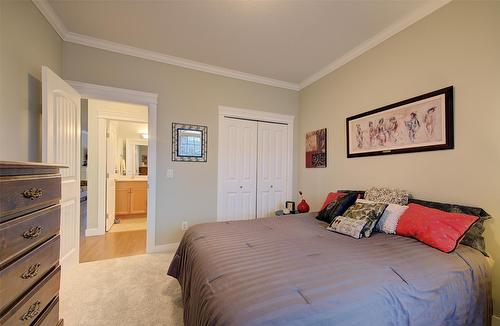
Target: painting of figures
point(316, 149)
point(421, 123)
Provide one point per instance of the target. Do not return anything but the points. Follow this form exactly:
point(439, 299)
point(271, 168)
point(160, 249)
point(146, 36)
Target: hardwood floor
point(110, 245)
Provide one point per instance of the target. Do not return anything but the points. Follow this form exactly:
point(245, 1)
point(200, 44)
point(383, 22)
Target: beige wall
point(457, 45)
point(27, 42)
point(184, 96)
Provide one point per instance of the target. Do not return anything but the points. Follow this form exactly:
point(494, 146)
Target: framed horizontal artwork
point(422, 123)
point(189, 143)
point(316, 149)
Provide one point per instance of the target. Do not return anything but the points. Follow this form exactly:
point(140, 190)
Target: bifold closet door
point(271, 168)
point(238, 166)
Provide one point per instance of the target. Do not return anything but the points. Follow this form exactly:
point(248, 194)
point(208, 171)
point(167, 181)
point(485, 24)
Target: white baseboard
point(495, 321)
point(169, 247)
point(92, 232)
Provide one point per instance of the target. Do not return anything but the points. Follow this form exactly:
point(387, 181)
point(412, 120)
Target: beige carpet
point(122, 291)
point(129, 224)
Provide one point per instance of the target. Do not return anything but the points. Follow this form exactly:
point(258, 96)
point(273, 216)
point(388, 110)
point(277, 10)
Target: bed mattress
point(290, 270)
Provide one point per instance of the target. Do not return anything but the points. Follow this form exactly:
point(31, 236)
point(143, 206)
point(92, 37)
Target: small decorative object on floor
point(302, 207)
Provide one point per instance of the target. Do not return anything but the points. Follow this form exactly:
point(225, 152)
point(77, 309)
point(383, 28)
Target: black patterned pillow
point(324, 214)
point(387, 195)
point(336, 208)
point(359, 219)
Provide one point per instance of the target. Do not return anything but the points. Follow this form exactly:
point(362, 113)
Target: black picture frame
point(176, 156)
point(292, 204)
point(448, 133)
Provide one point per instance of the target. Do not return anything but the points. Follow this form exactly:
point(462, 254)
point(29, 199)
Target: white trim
point(49, 13)
point(101, 174)
point(495, 320)
point(231, 112)
point(255, 115)
point(375, 40)
point(169, 247)
point(51, 16)
point(108, 93)
point(92, 232)
point(137, 97)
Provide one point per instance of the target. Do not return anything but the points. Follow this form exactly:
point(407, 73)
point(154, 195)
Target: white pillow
point(389, 219)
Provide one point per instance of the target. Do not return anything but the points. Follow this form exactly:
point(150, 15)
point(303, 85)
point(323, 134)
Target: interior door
point(238, 167)
point(61, 144)
point(271, 168)
point(111, 172)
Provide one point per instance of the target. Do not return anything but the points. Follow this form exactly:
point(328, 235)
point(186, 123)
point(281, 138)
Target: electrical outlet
point(184, 225)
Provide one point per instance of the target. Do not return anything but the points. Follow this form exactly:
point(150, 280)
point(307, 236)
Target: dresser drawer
point(22, 273)
point(50, 316)
point(21, 195)
point(21, 234)
point(30, 307)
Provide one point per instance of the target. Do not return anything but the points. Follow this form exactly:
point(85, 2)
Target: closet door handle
point(271, 186)
point(241, 187)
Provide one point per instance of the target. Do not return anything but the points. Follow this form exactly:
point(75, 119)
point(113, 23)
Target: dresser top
point(12, 168)
point(28, 165)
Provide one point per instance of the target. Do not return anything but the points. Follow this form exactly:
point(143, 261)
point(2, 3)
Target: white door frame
point(107, 93)
point(231, 112)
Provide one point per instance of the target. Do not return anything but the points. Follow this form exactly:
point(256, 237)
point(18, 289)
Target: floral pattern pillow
point(387, 195)
point(348, 226)
point(359, 219)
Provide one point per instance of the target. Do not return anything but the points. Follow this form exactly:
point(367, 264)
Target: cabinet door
point(138, 200)
point(122, 201)
point(237, 169)
point(272, 168)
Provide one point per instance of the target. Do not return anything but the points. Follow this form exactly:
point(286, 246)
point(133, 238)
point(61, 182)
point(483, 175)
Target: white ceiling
point(294, 42)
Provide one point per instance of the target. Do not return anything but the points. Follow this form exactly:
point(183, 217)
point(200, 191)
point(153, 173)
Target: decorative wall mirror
point(189, 143)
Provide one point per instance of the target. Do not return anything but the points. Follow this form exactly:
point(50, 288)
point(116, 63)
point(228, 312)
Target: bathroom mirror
point(189, 143)
point(136, 154)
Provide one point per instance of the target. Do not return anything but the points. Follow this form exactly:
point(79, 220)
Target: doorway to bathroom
point(115, 171)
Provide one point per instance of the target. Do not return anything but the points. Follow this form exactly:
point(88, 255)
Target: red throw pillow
point(331, 197)
point(436, 228)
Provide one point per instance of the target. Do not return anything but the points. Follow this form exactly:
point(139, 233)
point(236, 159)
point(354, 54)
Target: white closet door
point(272, 168)
point(238, 164)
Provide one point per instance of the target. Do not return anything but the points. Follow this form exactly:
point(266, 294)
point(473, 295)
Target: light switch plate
point(170, 173)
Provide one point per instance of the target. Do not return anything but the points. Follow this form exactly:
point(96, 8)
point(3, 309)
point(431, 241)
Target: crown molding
point(46, 9)
point(52, 17)
point(375, 40)
point(67, 36)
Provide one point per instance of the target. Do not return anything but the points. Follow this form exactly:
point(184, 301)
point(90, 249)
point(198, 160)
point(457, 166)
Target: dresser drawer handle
point(33, 311)
point(31, 272)
point(33, 193)
point(33, 232)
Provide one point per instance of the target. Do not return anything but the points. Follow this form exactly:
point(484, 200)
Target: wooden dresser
point(29, 243)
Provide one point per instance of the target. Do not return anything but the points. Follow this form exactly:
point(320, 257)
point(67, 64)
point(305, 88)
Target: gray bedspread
point(292, 271)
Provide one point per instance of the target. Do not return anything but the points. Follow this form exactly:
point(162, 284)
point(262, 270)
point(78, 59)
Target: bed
point(290, 270)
